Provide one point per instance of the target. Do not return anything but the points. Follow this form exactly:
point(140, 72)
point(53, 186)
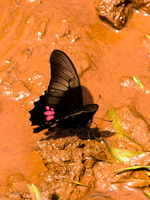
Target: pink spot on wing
point(49, 113)
point(48, 118)
point(47, 108)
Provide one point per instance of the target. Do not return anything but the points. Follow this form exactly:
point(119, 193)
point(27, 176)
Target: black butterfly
point(61, 106)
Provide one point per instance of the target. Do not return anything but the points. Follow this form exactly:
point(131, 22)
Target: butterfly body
point(61, 106)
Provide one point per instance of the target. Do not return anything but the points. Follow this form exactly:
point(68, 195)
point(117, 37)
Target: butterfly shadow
point(84, 133)
point(87, 96)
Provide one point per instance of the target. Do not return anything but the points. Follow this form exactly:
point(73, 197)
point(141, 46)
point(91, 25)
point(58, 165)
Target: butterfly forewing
point(64, 91)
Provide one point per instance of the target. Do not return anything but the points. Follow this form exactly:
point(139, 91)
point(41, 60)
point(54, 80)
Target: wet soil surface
point(106, 61)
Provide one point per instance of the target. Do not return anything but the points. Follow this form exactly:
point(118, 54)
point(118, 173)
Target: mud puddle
point(106, 61)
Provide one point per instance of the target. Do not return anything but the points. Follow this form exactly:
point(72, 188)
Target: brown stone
point(115, 12)
point(142, 5)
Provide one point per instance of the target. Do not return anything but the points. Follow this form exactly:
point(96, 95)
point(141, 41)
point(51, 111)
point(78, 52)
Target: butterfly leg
point(90, 139)
point(71, 140)
point(89, 136)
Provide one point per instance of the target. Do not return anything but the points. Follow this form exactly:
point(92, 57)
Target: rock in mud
point(115, 12)
point(142, 5)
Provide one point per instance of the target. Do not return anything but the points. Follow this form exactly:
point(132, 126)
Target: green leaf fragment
point(148, 36)
point(118, 126)
point(136, 80)
point(116, 122)
point(57, 197)
point(132, 168)
point(148, 173)
point(147, 192)
point(132, 140)
point(35, 192)
point(122, 155)
point(75, 182)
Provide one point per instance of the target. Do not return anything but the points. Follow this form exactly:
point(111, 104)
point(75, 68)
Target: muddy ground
point(106, 60)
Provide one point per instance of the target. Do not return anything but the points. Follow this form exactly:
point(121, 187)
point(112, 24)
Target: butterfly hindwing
point(37, 116)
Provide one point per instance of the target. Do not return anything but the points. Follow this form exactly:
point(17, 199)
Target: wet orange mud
point(106, 61)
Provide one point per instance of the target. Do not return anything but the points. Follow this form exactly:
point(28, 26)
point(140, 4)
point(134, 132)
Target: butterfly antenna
point(103, 119)
point(71, 140)
point(99, 98)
